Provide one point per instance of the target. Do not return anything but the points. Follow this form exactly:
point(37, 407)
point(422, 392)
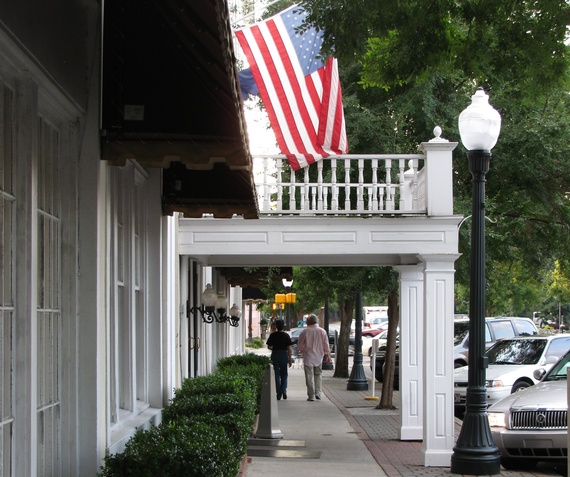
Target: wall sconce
point(214, 306)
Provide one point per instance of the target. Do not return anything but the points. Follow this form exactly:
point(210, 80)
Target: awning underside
point(171, 96)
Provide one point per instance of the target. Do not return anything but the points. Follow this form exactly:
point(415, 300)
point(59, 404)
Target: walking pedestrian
point(314, 345)
point(279, 342)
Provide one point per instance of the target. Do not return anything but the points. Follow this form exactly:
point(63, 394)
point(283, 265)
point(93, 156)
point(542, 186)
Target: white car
point(532, 426)
point(512, 363)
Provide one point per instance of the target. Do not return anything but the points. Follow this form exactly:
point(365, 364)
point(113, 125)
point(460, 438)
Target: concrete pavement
point(343, 435)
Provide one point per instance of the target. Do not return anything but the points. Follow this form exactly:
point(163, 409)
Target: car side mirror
point(538, 374)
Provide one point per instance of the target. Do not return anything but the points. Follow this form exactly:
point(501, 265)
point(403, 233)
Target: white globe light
point(479, 123)
point(209, 297)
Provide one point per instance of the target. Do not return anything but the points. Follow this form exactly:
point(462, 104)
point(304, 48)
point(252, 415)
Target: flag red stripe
point(305, 110)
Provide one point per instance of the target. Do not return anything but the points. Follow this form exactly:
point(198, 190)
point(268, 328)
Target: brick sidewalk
point(378, 429)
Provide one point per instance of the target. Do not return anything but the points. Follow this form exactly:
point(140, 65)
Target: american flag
point(301, 91)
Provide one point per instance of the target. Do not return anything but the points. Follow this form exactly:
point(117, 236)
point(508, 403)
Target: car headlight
point(494, 383)
point(497, 419)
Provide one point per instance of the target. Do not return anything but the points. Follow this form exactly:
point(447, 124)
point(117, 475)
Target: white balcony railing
point(359, 185)
point(342, 185)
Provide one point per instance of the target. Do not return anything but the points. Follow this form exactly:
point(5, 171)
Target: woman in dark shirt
point(279, 342)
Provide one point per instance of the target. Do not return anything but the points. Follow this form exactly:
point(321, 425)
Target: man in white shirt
point(313, 344)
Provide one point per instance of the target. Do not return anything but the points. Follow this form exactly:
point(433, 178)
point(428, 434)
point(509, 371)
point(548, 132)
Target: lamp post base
point(475, 452)
point(357, 380)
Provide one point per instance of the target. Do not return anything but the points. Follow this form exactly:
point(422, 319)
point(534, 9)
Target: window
point(128, 321)
point(525, 327)
point(502, 329)
point(48, 365)
point(7, 268)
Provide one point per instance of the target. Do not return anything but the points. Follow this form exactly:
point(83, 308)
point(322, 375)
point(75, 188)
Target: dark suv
point(496, 328)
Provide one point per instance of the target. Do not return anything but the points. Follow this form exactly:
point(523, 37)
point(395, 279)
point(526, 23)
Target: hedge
point(204, 428)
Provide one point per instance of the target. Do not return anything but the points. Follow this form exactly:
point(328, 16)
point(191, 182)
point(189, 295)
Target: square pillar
point(411, 351)
point(438, 432)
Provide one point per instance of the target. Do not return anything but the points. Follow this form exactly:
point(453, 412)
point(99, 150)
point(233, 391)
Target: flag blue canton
point(307, 44)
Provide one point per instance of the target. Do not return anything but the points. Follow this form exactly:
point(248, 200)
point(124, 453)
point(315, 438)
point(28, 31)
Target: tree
point(559, 289)
point(408, 66)
point(342, 284)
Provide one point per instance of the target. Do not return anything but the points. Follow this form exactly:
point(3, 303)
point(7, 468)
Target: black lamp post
point(475, 453)
point(357, 380)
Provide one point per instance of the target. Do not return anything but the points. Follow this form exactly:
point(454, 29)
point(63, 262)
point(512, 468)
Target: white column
point(411, 346)
point(438, 411)
point(439, 170)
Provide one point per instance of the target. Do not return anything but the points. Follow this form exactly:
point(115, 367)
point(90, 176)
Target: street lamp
point(475, 453)
point(289, 299)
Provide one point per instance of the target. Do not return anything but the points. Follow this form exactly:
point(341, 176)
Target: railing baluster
point(347, 185)
point(279, 184)
point(402, 164)
point(334, 199)
point(306, 203)
point(389, 198)
point(265, 185)
point(374, 197)
point(292, 193)
point(314, 198)
point(325, 198)
point(320, 204)
point(360, 190)
point(415, 204)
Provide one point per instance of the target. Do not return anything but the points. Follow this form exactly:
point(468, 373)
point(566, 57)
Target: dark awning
point(170, 99)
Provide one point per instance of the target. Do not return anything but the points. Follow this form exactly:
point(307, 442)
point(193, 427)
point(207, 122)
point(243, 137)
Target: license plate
point(457, 397)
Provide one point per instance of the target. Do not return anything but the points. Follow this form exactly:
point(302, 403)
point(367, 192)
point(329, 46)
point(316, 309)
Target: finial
point(437, 134)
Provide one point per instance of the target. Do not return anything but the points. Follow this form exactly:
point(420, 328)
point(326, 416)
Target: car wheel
point(520, 386)
point(518, 464)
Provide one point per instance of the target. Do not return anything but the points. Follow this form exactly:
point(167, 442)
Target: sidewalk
point(343, 435)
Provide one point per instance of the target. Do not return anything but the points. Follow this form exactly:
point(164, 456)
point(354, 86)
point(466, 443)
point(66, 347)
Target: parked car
point(295, 332)
point(531, 426)
point(376, 324)
point(367, 341)
point(512, 362)
point(496, 328)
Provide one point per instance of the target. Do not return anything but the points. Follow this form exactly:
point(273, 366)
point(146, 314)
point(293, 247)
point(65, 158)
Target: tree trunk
point(386, 398)
point(346, 309)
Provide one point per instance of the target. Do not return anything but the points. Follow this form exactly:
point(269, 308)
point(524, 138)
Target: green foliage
point(185, 447)
point(408, 66)
point(205, 427)
point(256, 343)
point(247, 365)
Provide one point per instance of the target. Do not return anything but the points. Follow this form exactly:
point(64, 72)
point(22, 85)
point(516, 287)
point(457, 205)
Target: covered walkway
point(344, 435)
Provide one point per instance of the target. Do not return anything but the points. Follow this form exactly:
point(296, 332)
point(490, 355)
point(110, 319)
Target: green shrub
point(256, 343)
point(246, 365)
point(205, 427)
point(248, 359)
point(216, 383)
point(183, 448)
point(192, 405)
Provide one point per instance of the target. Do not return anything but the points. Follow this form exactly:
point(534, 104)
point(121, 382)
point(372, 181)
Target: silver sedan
point(531, 426)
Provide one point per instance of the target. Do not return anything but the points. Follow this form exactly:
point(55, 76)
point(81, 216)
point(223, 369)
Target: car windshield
point(558, 371)
point(516, 351)
point(461, 328)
